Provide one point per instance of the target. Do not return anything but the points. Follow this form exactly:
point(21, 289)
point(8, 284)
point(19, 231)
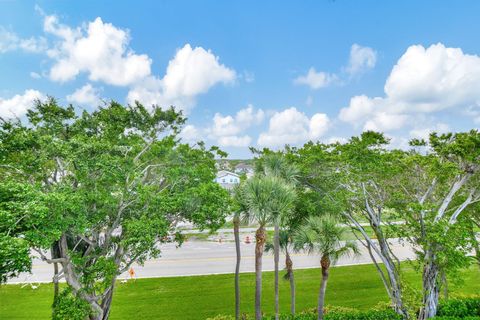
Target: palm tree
point(275, 165)
point(236, 234)
point(238, 212)
point(265, 198)
point(323, 235)
point(286, 245)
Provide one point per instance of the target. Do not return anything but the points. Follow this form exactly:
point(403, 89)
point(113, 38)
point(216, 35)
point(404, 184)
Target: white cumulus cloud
point(10, 41)
point(361, 59)
point(18, 105)
point(316, 80)
point(193, 71)
point(190, 134)
point(98, 49)
point(234, 141)
point(291, 126)
point(227, 130)
point(424, 81)
point(85, 96)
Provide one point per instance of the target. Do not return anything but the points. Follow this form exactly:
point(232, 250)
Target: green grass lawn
point(200, 297)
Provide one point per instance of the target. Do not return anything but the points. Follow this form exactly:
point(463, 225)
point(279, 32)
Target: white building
point(227, 179)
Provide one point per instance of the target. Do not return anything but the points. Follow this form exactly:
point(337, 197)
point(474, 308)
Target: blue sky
point(253, 73)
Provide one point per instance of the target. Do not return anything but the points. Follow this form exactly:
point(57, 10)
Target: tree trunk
point(72, 279)
point(325, 263)
point(276, 254)
point(393, 277)
point(289, 265)
point(55, 281)
point(391, 280)
point(55, 253)
point(107, 301)
point(259, 248)
point(236, 232)
point(55, 287)
point(97, 314)
point(431, 288)
point(445, 285)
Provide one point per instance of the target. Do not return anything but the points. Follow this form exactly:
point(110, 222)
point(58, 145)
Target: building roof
point(223, 173)
point(243, 166)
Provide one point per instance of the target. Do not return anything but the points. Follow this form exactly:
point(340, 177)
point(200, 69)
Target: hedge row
point(459, 308)
point(454, 309)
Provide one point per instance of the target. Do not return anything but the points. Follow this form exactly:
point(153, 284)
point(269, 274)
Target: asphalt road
point(205, 257)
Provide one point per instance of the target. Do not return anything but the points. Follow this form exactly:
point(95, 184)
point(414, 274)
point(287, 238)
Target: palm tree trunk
point(259, 248)
point(236, 232)
point(276, 254)
point(289, 265)
point(325, 263)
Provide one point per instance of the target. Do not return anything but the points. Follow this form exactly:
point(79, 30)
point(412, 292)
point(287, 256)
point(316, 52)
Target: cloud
point(193, 71)
point(85, 96)
point(190, 134)
point(98, 49)
point(334, 139)
point(227, 130)
point(291, 126)
point(424, 81)
point(10, 41)
point(315, 80)
point(102, 52)
point(423, 133)
point(361, 59)
point(18, 105)
point(35, 75)
point(434, 78)
point(234, 141)
point(474, 113)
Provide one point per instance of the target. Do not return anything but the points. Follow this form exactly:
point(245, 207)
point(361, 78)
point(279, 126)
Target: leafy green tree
point(20, 207)
point(368, 177)
point(323, 235)
point(473, 225)
point(346, 179)
point(442, 180)
point(116, 182)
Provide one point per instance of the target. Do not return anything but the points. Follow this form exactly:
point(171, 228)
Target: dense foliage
point(101, 191)
point(465, 308)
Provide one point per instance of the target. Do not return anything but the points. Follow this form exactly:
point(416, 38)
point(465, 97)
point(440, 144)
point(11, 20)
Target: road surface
point(206, 257)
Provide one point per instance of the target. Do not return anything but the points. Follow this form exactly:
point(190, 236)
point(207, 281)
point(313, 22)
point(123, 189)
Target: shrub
point(453, 309)
point(332, 313)
point(387, 314)
point(68, 307)
point(459, 308)
point(456, 318)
